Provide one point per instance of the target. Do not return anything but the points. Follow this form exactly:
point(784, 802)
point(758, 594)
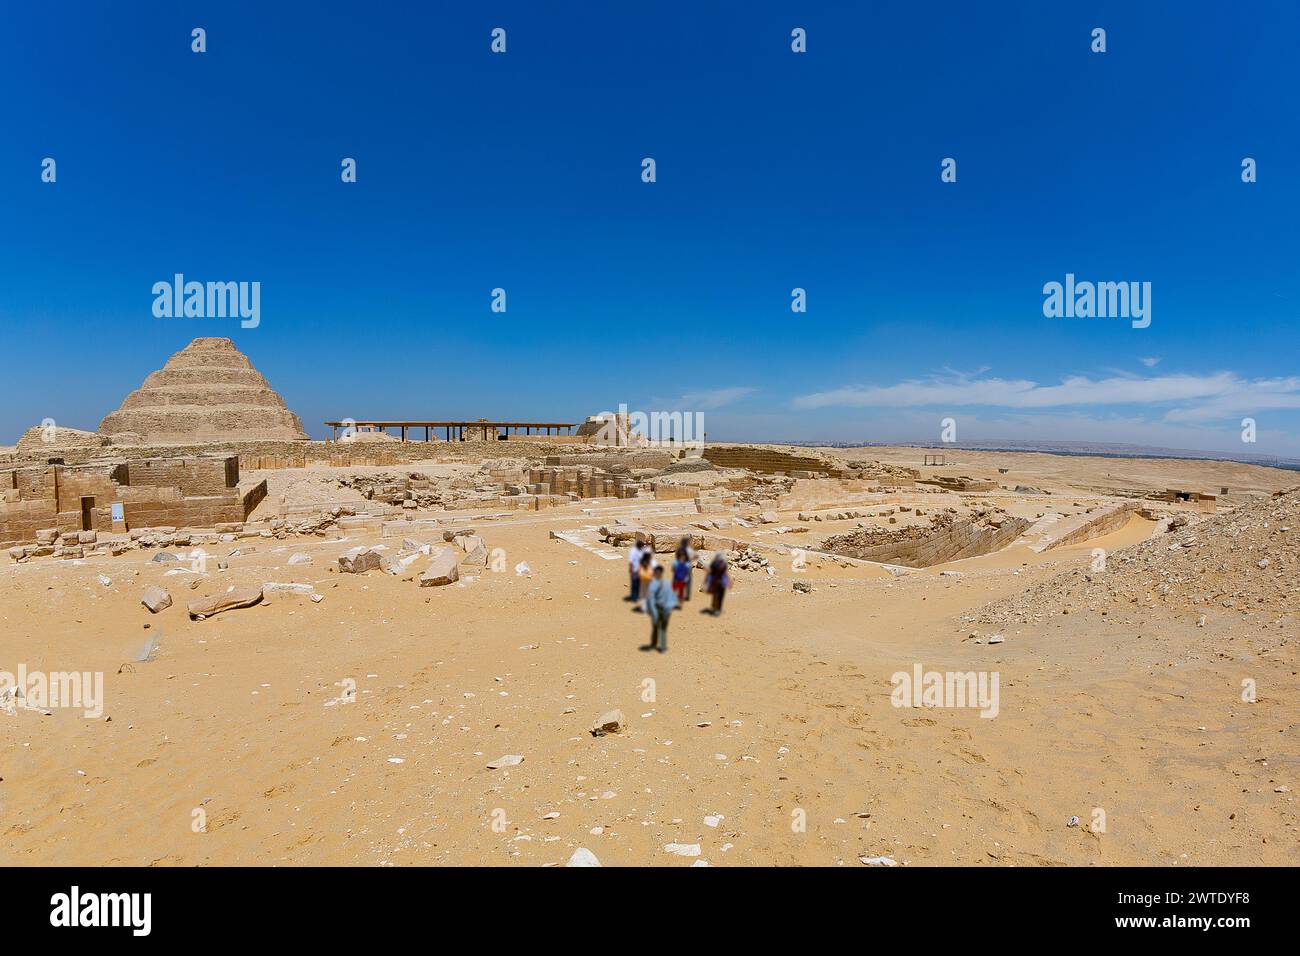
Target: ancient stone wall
point(195, 492)
point(581, 480)
point(961, 483)
point(772, 461)
point(628, 458)
point(201, 476)
point(300, 454)
point(1108, 519)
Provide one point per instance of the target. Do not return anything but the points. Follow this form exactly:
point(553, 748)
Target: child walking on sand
point(681, 575)
point(645, 575)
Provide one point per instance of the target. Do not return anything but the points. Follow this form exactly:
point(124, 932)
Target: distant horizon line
point(1078, 449)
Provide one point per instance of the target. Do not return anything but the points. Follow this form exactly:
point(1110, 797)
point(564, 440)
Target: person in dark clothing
point(717, 581)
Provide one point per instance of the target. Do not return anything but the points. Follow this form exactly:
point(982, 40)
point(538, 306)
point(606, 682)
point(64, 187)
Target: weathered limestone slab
point(239, 597)
point(277, 587)
point(156, 599)
point(475, 560)
point(468, 542)
point(442, 569)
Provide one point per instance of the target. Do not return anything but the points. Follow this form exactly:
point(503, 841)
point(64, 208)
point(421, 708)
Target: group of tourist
point(658, 596)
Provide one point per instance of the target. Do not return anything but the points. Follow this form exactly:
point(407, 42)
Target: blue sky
point(775, 170)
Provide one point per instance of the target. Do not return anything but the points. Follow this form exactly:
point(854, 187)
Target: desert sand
point(359, 729)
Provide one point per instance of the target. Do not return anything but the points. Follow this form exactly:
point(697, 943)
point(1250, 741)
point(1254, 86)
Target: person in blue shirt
point(682, 576)
point(686, 548)
point(660, 604)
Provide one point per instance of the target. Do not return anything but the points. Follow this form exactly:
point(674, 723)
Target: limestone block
point(441, 570)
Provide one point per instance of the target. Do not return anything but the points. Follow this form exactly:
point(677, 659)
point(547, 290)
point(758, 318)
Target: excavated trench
point(947, 539)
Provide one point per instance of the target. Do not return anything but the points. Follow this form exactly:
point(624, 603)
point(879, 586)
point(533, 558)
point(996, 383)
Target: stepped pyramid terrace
point(207, 392)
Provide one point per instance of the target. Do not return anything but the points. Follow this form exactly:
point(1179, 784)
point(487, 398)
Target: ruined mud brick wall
point(196, 492)
point(300, 454)
point(964, 483)
point(40, 442)
point(963, 539)
point(40, 497)
point(582, 481)
point(251, 494)
point(1193, 500)
point(168, 508)
point(811, 494)
point(201, 476)
point(21, 519)
point(715, 500)
point(896, 482)
point(771, 461)
point(666, 492)
point(614, 458)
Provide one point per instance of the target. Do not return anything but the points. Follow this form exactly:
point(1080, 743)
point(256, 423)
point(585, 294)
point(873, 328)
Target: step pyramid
point(207, 392)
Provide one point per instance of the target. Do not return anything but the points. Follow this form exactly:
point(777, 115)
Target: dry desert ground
point(359, 728)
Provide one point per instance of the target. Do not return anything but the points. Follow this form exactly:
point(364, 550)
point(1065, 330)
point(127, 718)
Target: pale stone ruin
point(68, 509)
point(41, 440)
point(165, 486)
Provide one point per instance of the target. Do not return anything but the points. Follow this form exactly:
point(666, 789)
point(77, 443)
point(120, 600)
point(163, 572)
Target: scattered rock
point(610, 722)
point(358, 560)
point(275, 587)
point(441, 570)
point(156, 599)
point(240, 597)
point(683, 849)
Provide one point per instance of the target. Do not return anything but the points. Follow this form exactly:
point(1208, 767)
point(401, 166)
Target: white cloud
point(1151, 361)
point(708, 399)
point(1198, 397)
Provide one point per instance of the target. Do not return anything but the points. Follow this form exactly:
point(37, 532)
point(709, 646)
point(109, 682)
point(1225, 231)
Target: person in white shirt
point(690, 560)
point(634, 569)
